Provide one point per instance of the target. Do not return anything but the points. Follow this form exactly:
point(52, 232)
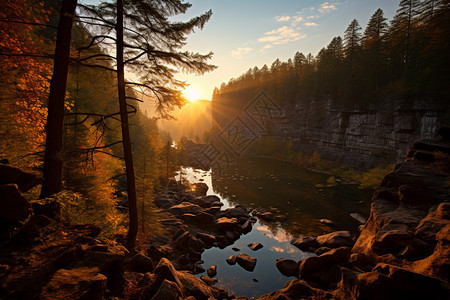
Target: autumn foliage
point(24, 79)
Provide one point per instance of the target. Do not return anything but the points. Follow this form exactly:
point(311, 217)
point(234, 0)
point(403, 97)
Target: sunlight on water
point(288, 191)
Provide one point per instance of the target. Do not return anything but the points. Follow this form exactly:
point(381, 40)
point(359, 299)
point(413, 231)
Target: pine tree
point(53, 165)
point(374, 41)
point(352, 38)
point(402, 29)
point(147, 43)
point(352, 47)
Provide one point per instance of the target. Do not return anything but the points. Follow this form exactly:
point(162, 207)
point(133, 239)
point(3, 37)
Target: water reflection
point(288, 192)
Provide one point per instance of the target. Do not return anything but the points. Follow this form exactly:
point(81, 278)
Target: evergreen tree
point(352, 47)
point(374, 44)
point(402, 29)
point(147, 43)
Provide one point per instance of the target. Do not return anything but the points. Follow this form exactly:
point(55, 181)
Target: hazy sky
point(247, 33)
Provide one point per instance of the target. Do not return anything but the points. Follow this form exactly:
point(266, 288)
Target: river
point(298, 197)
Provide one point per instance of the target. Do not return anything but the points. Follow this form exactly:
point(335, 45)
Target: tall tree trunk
point(131, 182)
point(55, 119)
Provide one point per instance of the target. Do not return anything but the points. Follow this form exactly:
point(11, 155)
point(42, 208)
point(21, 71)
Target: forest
point(407, 57)
point(75, 132)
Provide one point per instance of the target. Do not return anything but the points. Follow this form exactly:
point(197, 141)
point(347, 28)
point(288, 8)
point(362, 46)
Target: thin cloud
point(282, 19)
point(296, 20)
point(310, 24)
point(240, 52)
point(281, 35)
point(327, 7)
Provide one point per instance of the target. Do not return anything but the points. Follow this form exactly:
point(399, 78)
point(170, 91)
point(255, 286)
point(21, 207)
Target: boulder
point(188, 283)
point(232, 260)
point(322, 250)
point(362, 261)
point(208, 239)
point(294, 289)
point(212, 271)
point(12, 175)
point(389, 282)
point(287, 267)
point(186, 240)
point(140, 263)
point(167, 290)
point(339, 256)
point(335, 239)
point(208, 280)
point(110, 264)
point(200, 189)
point(237, 212)
point(255, 246)
point(13, 207)
point(247, 262)
point(213, 210)
point(306, 243)
point(193, 286)
point(228, 224)
point(164, 201)
point(185, 208)
point(79, 283)
point(324, 271)
point(205, 219)
point(437, 264)
point(207, 201)
point(247, 227)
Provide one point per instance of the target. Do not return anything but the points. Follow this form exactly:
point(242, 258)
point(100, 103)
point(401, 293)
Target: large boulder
point(207, 201)
point(287, 267)
point(185, 208)
point(322, 271)
point(167, 290)
point(225, 224)
point(200, 189)
point(140, 263)
point(188, 283)
point(389, 282)
point(306, 243)
point(335, 239)
point(294, 289)
point(24, 180)
point(79, 283)
point(13, 206)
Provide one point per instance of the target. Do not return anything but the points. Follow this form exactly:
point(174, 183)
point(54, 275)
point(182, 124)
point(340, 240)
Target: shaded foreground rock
point(287, 267)
point(80, 283)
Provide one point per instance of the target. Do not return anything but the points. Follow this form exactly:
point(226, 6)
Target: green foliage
point(331, 181)
point(78, 209)
point(373, 177)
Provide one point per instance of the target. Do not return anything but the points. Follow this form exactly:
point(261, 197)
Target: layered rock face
point(409, 222)
point(360, 137)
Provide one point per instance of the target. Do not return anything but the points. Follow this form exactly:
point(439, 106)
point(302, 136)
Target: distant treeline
point(407, 57)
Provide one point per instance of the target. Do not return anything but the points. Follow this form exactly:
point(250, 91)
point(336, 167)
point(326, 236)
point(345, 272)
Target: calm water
point(292, 194)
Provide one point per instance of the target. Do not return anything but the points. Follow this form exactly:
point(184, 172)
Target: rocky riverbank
point(401, 252)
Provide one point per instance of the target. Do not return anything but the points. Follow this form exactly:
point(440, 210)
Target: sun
point(191, 93)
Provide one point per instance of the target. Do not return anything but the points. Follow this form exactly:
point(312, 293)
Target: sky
point(248, 33)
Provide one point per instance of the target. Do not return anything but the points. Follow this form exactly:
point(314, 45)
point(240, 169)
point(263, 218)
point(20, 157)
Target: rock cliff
point(359, 136)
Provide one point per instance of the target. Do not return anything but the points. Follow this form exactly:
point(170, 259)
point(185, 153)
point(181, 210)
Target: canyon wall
point(357, 135)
